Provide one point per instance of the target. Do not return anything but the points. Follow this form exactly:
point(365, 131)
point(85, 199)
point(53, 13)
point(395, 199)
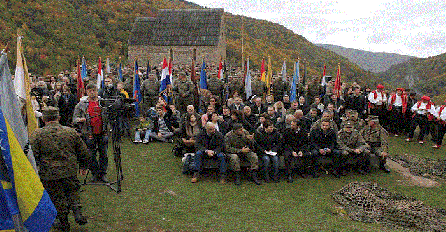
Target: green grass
point(157, 197)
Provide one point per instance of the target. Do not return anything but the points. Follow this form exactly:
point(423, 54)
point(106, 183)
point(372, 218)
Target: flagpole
point(243, 52)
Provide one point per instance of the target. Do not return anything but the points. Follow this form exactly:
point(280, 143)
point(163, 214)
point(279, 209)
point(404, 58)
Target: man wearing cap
point(215, 85)
point(279, 88)
point(397, 106)
point(423, 113)
point(376, 137)
point(354, 148)
point(150, 92)
point(183, 90)
point(377, 99)
point(240, 145)
point(353, 117)
point(357, 101)
point(259, 87)
point(58, 150)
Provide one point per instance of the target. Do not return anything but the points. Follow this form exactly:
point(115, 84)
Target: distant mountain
point(426, 76)
point(370, 61)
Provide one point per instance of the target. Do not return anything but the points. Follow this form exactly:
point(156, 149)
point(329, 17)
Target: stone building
point(181, 34)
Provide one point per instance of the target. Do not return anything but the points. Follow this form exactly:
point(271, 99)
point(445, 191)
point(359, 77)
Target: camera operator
point(109, 90)
point(90, 118)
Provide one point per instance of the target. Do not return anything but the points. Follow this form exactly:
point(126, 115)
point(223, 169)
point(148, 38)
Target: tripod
point(115, 109)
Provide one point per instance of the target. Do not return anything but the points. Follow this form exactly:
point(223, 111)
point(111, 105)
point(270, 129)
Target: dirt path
point(409, 177)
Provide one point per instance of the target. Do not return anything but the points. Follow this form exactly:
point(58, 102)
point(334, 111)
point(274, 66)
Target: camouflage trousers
point(64, 193)
point(234, 160)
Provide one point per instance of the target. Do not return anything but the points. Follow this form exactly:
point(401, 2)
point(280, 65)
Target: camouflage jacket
point(351, 141)
point(150, 88)
point(358, 124)
point(376, 136)
point(215, 86)
point(58, 150)
point(184, 89)
point(234, 143)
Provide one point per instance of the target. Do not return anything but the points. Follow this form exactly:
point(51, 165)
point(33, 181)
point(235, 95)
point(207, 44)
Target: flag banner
point(11, 107)
point(21, 193)
point(170, 73)
point(22, 71)
point(220, 71)
point(263, 72)
point(120, 71)
point(284, 71)
point(149, 69)
point(193, 77)
point(337, 85)
point(203, 78)
point(248, 89)
point(100, 80)
point(84, 69)
point(269, 76)
point(293, 95)
point(80, 83)
point(165, 80)
point(324, 81)
point(108, 65)
point(137, 89)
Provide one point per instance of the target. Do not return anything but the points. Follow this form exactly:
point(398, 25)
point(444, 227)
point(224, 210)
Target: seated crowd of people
point(265, 131)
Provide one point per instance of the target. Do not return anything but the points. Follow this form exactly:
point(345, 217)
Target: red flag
point(325, 68)
point(220, 71)
point(337, 86)
point(80, 83)
point(263, 71)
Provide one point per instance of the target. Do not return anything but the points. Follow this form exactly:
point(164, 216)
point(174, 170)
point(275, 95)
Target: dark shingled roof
point(185, 27)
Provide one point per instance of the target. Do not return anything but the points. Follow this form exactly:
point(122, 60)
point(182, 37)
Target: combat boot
point(237, 178)
point(254, 177)
point(78, 217)
point(384, 167)
point(62, 224)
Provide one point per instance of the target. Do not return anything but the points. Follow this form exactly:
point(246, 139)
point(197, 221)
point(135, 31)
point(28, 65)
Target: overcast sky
point(408, 27)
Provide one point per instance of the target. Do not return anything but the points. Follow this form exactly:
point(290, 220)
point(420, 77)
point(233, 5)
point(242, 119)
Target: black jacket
point(170, 121)
point(267, 141)
point(357, 103)
point(214, 142)
point(296, 140)
point(321, 140)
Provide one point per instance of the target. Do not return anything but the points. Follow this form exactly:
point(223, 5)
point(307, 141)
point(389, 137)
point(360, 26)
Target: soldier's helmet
point(348, 124)
point(373, 118)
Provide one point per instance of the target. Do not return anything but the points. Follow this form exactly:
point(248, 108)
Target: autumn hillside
point(57, 32)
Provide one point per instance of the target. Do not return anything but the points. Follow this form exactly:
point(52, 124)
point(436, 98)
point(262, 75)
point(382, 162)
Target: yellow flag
point(23, 75)
point(269, 75)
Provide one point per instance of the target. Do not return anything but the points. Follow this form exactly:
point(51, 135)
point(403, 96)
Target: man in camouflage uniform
point(353, 117)
point(184, 92)
point(259, 87)
point(237, 84)
point(215, 85)
point(376, 136)
point(150, 92)
point(240, 145)
point(354, 148)
point(58, 150)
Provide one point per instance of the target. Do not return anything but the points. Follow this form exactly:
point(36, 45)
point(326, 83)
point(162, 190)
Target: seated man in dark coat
point(323, 142)
point(296, 148)
point(268, 142)
point(209, 145)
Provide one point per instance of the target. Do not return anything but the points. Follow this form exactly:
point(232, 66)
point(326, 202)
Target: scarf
point(403, 99)
point(430, 117)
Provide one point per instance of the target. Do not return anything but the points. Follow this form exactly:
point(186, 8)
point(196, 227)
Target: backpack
point(188, 163)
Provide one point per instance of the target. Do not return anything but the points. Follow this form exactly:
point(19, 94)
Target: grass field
point(157, 197)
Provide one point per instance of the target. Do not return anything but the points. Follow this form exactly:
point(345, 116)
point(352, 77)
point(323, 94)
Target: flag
point(192, 72)
point(293, 95)
point(21, 80)
point(80, 83)
point(137, 89)
point(337, 85)
point(203, 78)
point(22, 196)
point(220, 71)
point(248, 89)
point(165, 80)
point(100, 82)
point(108, 65)
point(269, 75)
point(170, 72)
point(148, 69)
point(84, 69)
point(284, 71)
point(120, 71)
point(263, 72)
point(11, 107)
point(323, 81)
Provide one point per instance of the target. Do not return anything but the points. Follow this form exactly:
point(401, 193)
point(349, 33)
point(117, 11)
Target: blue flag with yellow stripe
point(21, 192)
